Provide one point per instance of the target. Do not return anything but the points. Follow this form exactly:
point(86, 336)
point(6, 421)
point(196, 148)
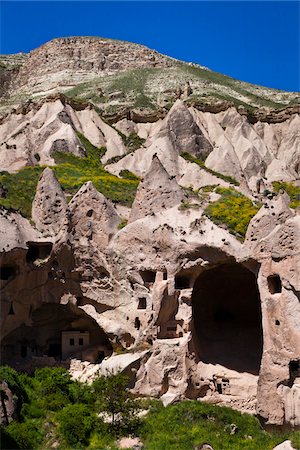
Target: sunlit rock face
point(157, 289)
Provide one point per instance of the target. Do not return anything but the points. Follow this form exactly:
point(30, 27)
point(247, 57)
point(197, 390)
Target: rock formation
point(197, 311)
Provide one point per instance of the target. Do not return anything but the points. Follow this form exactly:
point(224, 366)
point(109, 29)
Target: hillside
point(150, 223)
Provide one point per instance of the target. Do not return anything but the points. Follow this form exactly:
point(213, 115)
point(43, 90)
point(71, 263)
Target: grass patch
point(188, 157)
point(122, 224)
point(129, 175)
point(292, 190)
point(91, 151)
point(21, 187)
point(190, 423)
point(72, 172)
point(133, 141)
point(233, 209)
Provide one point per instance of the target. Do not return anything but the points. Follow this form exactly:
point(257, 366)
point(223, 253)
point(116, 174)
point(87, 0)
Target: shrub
point(76, 423)
point(114, 398)
point(15, 384)
point(233, 209)
point(133, 141)
point(292, 190)
point(122, 224)
point(27, 435)
point(92, 152)
point(53, 380)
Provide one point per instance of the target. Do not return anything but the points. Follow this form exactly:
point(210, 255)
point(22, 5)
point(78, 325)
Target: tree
point(114, 398)
point(76, 423)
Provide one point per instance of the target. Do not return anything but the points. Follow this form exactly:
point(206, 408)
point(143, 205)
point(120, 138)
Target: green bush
point(291, 189)
point(15, 384)
point(53, 380)
point(27, 435)
point(233, 209)
point(114, 398)
point(76, 423)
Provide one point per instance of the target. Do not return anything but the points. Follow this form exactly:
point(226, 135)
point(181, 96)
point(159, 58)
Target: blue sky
point(255, 41)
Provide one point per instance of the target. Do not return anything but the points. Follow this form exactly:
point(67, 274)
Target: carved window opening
point(182, 282)
point(137, 323)
point(274, 284)
point(38, 251)
point(148, 276)
point(294, 369)
point(142, 303)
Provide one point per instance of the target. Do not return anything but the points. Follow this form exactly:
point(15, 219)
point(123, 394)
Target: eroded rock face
point(49, 207)
point(71, 60)
point(197, 313)
point(157, 191)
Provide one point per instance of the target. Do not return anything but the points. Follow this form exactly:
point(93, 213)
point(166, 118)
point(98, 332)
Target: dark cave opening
point(38, 251)
point(227, 323)
point(51, 333)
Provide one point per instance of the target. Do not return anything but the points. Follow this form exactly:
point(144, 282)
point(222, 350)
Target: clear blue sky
point(256, 41)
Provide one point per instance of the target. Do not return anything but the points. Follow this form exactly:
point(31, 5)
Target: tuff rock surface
point(183, 305)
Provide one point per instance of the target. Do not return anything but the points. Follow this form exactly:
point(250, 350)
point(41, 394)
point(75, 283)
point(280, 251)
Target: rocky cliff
point(166, 229)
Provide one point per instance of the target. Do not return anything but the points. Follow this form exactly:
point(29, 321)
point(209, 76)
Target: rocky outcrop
point(157, 192)
point(93, 217)
point(49, 207)
point(71, 60)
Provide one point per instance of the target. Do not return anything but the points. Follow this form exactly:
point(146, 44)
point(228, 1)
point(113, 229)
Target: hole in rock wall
point(274, 284)
point(59, 331)
point(38, 251)
point(7, 272)
point(137, 323)
point(294, 369)
point(227, 325)
point(142, 303)
point(182, 282)
point(148, 276)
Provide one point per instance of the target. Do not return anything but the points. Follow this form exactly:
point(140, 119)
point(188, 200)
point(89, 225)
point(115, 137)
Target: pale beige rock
point(93, 217)
point(156, 192)
point(286, 445)
point(49, 207)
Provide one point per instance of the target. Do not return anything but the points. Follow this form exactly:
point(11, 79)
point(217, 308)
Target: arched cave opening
point(227, 323)
point(58, 331)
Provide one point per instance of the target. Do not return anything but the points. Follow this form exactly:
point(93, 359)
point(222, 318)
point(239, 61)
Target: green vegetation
point(186, 204)
point(93, 153)
point(201, 164)
point(21, 188)
point(224, 80)
point(189, 424)
point(133, 141)
point(122, 224)
point(72, 172)
point(128, 175)
point(233, 209)
point(79, 421)
point(291, 189)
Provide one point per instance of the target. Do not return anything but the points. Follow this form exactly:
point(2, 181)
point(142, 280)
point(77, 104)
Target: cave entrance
point(58, 331)
point(227, 323)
